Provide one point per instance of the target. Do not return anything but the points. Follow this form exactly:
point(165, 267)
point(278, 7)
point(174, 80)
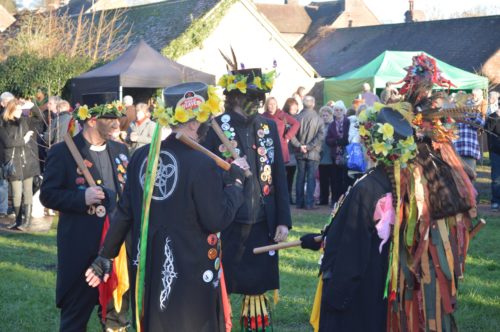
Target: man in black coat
point(190, 204)
point(264, 218)
point(83, 210)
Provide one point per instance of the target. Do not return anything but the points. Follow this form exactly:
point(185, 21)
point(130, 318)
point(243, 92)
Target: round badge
point(80, 181)
point(117, 160)
point(231, 129)
point(267, 169)
point(91, 210)
point(78, 171)
point(225, 126)
point(208, 276)
point(225, 118)
point(100, 211)
point(266, 190)
point(260, 133)
point(237, 151)
point(262, 159)
point(266, 131)
point(263, 177)
point(228, 134)
point(98, 181)
point(222, 148)
point(269, 141)
point(212, 239)
point(261, 151)
point(217, 264)
point(212, 254)
point(123, 157)
point(121, 169)
point(272, 253)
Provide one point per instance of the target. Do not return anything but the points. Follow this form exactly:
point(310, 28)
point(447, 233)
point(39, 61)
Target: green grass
point(27, 272)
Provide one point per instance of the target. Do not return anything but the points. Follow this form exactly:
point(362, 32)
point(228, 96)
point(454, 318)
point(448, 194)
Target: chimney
point(409, 14)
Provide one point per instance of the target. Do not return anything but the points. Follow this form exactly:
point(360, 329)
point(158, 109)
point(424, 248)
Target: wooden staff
point(284, 245)
point(477, 228)
point(79, 160)
point(227, 144)
point(194, 145)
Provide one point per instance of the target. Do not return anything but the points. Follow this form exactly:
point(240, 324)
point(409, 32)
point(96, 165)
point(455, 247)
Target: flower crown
point(112, 110)
point(380, 142)
point(170, 116)
point(239, 81)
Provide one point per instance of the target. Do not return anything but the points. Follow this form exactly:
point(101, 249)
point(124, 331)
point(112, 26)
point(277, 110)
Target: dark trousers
point(495, 177)
point(326, 183)
point(80, 301)
point(306, 171)
point(340, 181)
point(77, 306)
point(290, 174)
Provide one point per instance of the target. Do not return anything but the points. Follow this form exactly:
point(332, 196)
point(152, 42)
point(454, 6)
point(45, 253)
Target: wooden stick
point(79, 160)
point(477, 228)
point(194, 145)
point(227, 144)
point(284, 245)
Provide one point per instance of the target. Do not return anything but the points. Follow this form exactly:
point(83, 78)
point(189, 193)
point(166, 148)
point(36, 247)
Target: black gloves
point(308, 242)
point(235, 173)
point(101, 266)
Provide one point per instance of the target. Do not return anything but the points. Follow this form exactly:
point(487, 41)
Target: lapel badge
point(100, 211)
point(87, 163)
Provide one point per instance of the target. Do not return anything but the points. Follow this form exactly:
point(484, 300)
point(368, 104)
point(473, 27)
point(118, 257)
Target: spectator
point(369, 97)
point(493, 102)
point(307, 145)
point(337, 139)
point(326, 183)
point(299, 97)
point(125, 121)
point(467, 144)
point(291, 108)
point(493, 130)
point(61, 118)
point(287, 125)
point(5, 98)
point(140, 131)
point(390, 94)
point(21, 148)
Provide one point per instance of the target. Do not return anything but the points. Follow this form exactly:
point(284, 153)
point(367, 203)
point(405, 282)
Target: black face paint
point(202, 131)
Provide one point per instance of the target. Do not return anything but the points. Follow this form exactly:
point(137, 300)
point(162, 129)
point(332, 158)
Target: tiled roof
point(286, 18)
point(466, 43)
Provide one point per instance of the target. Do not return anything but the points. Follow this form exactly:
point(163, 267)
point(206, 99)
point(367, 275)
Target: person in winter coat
point(20, 149)
point(142, 129)
point(286, 124)
point(61, 118)
point(326, 184)
point(291, 108)
point(337, 139)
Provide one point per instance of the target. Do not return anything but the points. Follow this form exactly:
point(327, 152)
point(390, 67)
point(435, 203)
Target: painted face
point(272, 106)
point(107, 128)
point(251, 107)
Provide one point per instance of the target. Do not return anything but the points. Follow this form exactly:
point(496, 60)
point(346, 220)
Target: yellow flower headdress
point(188, 108)
point(387, 136)
point(112, 110)
point(248, 79)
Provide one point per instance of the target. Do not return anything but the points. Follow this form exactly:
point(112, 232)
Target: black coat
point(78, 233)
point(189, 206)
point(493, 127)
point(25, 155)
point(354, 271)
point(266, 204)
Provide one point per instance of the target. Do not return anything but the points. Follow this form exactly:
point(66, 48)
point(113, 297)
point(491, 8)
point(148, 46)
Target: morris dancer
point(83, 210)
point(182, 207)
point(264, 218)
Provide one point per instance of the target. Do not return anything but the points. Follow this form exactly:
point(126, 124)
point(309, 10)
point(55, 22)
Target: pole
point(284, 245)
point(196, 146)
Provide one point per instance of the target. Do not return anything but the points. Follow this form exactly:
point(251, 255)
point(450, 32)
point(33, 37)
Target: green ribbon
point(150, 178)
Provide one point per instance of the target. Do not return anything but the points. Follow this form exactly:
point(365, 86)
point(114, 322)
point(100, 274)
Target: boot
point(18, 220)
point(26, 224)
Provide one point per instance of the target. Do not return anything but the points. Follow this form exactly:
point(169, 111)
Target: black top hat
point(402, 129)
point(174, 94)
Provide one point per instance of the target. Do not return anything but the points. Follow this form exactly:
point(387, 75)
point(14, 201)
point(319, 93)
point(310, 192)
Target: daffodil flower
point(258, 82)
point(363, 132)
point(242, 85)
point(203, 115)
point(181, 115)
point(363, 117)
point(83, 113)
point(386, 130)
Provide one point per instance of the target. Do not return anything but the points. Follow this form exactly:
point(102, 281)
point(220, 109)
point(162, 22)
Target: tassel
point(255, 316)
point(276, 296)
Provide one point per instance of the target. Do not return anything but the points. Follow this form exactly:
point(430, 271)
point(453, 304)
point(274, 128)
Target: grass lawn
point(27, 272)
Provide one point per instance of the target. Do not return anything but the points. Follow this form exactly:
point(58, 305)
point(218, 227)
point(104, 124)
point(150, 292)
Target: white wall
point(255, 45)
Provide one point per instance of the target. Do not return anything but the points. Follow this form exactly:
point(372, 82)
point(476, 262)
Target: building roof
point(6, 19)
point(466, 43)
point(290, 18)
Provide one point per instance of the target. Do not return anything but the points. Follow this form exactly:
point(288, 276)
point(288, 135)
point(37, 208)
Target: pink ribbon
point(385, 214)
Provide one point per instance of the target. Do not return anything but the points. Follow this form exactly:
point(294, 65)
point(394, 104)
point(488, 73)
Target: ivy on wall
point(197, 32)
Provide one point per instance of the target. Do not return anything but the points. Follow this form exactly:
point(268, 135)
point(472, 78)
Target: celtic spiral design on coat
point(168, 275)
point(166, 176)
